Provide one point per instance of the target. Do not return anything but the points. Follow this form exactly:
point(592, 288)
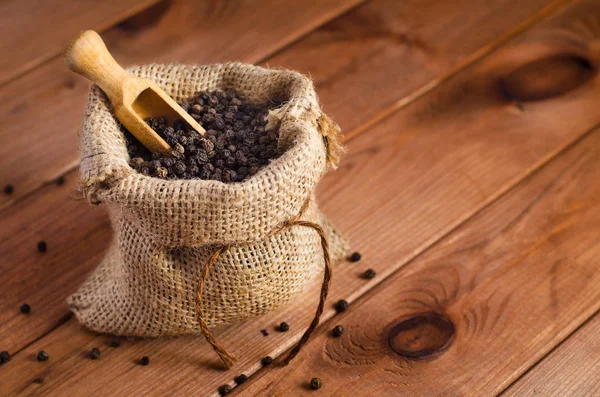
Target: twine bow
point(226, 357)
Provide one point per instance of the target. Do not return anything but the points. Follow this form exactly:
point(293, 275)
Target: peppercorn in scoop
point(236, 145)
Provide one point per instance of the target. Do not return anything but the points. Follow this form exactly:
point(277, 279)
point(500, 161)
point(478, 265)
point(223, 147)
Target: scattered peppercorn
point(355, 257)
point(240, 379)
point(145, 360)
point(316, 383)
point(25, 308)
point(94, 353)
point(224, 390)
point(369, 274)
point(42, 356)
point(338, 330)
point(38, 381)
point(264, 332)
point(9, 189)
point(42, 246)
point(284, 327)
point(114, 342)
point(236, 144)
point(60, 180)
point(4, 357)
point(268, 360)
point(341, 306)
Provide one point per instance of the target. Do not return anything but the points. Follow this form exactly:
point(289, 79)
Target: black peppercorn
point(172, 141)
point(94, 353)
point(9, 189)
point(42, 356)
point(369, 274)
point(179, 168)
point(341, 306)
point(25, 308)
point(338, 330)
point(284, 327)
point(266, 361)
point(145, 360)
point(38, 381)
point(240, 379)
point(207, 119)
point(316, 383)
point(224, 390)
point(178, 148)
point(114, 342)
point(168, 162)
point(355, 257)
point(264, 332)
point(154, 165)
point(42, 246)
point(236, 137)
point(219, 123)
point(4, 357)
point(60, 180)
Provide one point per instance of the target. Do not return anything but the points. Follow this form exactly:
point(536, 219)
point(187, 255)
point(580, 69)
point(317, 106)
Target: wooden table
point(471, 186)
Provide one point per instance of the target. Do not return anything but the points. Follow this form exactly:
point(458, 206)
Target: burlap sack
point(165, 231)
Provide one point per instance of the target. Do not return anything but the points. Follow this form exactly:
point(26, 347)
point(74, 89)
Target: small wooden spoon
point(134, 99)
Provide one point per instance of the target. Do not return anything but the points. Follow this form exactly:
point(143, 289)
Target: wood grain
point(369, 54)
point(187, 32)
point(53, 107)
point(38, 279)
point(451, 152)
point(515, 281)
point(75, 213)
point(35, 31)
point(572, 369)
point(388, 52)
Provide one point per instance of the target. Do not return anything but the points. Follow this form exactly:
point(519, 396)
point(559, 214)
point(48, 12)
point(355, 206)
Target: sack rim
point(268, 198)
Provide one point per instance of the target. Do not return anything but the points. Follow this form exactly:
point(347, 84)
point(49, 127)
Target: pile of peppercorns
point(235, 146)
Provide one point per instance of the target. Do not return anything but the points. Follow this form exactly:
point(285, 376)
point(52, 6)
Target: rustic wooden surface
point(470, 186)
point(93, 233)
point(43, 119)
point(515, 281)
point(572, 369)
point(35, 31)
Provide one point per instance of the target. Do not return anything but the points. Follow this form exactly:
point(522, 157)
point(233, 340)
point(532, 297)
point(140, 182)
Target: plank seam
point(477, 56)
point(73, 166)
point(532, 172)
point(105, 26)
point(386, 113)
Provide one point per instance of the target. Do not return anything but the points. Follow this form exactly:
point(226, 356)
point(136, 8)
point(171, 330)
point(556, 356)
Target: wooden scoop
point(134, 99)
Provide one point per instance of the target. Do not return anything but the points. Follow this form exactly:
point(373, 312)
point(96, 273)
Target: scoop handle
point(88, 56)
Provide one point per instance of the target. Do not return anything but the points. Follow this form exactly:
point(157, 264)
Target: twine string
point(226, 357)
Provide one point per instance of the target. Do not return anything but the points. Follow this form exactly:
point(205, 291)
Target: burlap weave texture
point(166, 230)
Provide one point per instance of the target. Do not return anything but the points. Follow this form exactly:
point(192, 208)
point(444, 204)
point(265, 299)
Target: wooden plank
point(367, 55)
point(448, 166)
point(572, 369)
point(75, 213)
point(51, 203)
point(388, 54)
point(38, 278)
point(42, 115)
point(35, 31)
point(514, 281)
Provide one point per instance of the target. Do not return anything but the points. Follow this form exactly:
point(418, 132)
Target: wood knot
point(422, 336)
point(547, 77)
